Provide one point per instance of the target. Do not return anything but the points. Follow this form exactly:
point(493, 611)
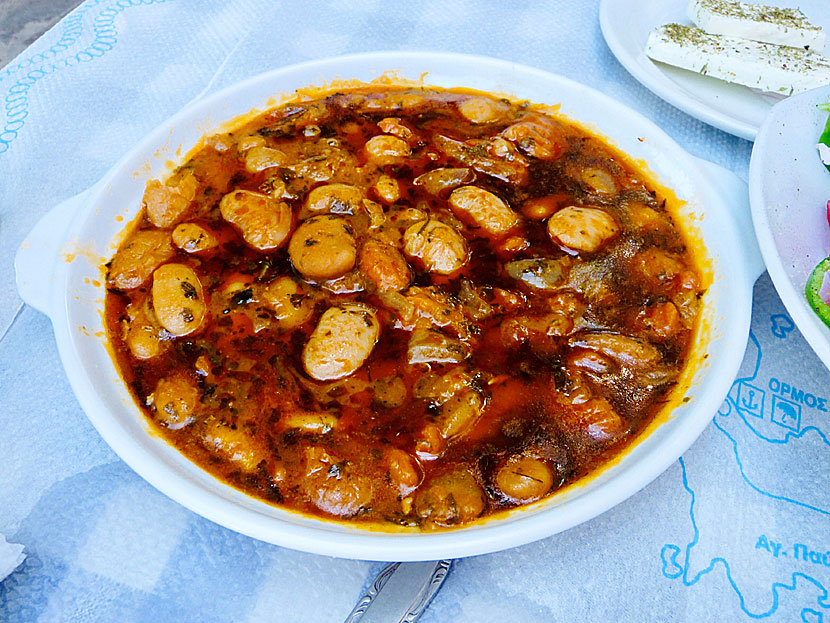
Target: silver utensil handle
point(400, 593)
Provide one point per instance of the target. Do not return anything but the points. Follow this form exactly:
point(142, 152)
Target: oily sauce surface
point(403, 306)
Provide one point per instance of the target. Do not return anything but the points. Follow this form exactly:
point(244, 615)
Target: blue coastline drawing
point(765, 432)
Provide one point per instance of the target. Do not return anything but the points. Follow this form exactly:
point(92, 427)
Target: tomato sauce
point(402, 306)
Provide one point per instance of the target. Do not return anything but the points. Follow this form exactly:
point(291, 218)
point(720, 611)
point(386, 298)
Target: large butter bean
point(595, 418)
point(429, 346)
point(451, 499)
point(323, 247)
point(484, 208)
point(143, 340)
point(193, 238)
point(582, 228)
point(290, 302)
point(384, 266)
point(459, 412)
point(439, 180)
point(524, 478)
point(537, 135)
point(336, 198)
point(175, 401)
point(333, 485)
point(135, 262)
point(385, 149)
point(167, 205)
point(341, 342)
point(233, 444)
point(439, 247)
point(403, 470)
point(628, 351)
point(482, 109)
point(309, 421)
point(263, 222)
point(393, 126)
point(260, 158)
point(178, 299)
point(599, 180)
point(142, 332)
point(387, 189)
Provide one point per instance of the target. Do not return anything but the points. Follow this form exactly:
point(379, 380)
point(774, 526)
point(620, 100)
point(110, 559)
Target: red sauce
point(545, 342)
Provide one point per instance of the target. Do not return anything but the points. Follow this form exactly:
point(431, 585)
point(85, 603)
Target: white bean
point(166, 205)
point(430, 346)
point(439, 247)
point(175, 401)
point(142, 333)
point(628, 351)
point(451, 499)
point(323, 247)
point(178, 299)
point(459, 413)
point(193, 238)
point(291, 304)
point(387, 189)
point(484, 208)
point(403, 470)
point(135, 262)
point(319, 422)
point(384, 266)
point(233, 444)
point(438, 180)
point(524, 478)
point(336, 198)
point(260, 158)
point(541, 272)
point(477, 109)
point(332, 485)
point(393, 125)
point(341, 342)
point(263, 221)
point(582, 228)
point(599, 180)
point(384, 149)
point(537, 135)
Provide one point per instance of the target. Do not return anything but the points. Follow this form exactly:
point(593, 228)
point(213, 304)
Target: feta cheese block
point(824, 154)
point(763, 66)
point(758, 22)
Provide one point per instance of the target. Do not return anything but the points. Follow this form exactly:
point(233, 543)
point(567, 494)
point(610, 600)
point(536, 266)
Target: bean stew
point(403, 306)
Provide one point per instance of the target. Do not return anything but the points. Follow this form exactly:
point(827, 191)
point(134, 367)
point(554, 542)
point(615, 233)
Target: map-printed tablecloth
point(738, 529)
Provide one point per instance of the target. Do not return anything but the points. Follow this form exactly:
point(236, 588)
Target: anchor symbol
point(750, 399)
point(750, 403)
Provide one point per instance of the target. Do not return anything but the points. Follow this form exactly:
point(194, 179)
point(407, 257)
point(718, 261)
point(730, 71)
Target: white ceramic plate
point(789, 190)
point(731, 107)
point(715, 208)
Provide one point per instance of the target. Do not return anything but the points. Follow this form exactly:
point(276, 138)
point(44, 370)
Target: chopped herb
point(189, 290)
point(789, 18)
point(296, 299)
point(243, 297)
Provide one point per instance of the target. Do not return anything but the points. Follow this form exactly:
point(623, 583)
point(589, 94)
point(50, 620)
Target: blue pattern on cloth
point(102, 545)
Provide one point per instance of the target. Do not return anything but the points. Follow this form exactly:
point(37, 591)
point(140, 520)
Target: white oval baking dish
point(58, 272)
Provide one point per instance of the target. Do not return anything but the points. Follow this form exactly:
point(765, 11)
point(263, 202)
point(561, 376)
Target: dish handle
point(38, 254)
point(735, 194)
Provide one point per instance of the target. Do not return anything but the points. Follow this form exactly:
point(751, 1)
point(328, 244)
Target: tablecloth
point(736, 530)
